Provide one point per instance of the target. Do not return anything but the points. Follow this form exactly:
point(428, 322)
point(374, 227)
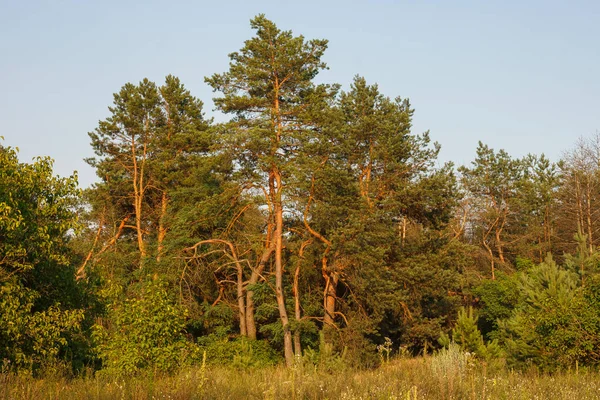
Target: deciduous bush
point(144, 332)
point(31, 340)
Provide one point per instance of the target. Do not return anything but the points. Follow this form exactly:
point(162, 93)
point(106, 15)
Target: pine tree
point(150, 147)
point(124, 144)
point(492, 185)
point(466, 333)
point(268, 88)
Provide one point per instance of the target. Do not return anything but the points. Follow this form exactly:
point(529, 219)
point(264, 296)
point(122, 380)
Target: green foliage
point(498, 298)
point(40, 302)
point(585, 261)
point(555, 324)
point(325, 358)
point(465, 332)
point(467, 336)
point(144, 331)
point(523, 264)
point(212, 319)
point(238, 352)
point(33, 340)
point(36, 217)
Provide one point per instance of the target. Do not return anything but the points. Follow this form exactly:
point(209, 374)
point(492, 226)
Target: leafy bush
point(33, 339)
point(40, 302)
point(498, 298)
point(144, 332)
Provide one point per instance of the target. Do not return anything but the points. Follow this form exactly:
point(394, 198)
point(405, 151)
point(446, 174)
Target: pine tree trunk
point(298, 316)
point(578, 196)
point(330, 296)
point(162, 230)
point(250, 322)
point(138, 195)
point(296, 291)
point(241, 298)
point(589, 216)
point(499, 246)
point(547, 231)
point(491, 253)
point(278, 237)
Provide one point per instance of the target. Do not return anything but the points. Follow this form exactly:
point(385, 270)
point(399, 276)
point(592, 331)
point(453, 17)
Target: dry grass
point(440, 377)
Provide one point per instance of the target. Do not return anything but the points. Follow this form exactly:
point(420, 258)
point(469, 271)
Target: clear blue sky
point(519, 75)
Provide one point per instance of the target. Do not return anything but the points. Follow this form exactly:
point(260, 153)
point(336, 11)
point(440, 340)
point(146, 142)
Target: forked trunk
point(491, 253)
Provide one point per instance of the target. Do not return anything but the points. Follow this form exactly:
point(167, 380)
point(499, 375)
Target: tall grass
point(448, 375)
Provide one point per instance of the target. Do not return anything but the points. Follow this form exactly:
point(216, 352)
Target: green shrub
point(556, 323)
point(30, 339)
point(144, 332)
point(498, 298)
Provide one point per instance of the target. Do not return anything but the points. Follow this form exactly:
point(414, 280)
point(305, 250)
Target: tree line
point(312, 221)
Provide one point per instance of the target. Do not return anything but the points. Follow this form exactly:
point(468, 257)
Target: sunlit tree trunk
point(162, 230)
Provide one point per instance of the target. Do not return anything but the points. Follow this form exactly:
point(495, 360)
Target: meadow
point(447, 375)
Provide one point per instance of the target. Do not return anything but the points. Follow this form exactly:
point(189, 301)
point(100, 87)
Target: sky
point(518, 75)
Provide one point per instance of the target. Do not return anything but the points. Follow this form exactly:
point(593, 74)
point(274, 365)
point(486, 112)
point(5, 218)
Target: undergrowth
point(448, 375)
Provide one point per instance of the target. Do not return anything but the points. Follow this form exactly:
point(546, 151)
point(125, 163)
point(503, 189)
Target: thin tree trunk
point(254, 277)
point(80, 274)
point(277, 202)
point(578, 196)
point(331, 280)
point(241, 299)
point(287, 334)
point(589, 215)
point(547, 230)
point(330, 296)
point(258, 270)
point(116, 237)
point(365, 178)
point(138, 194)
point(162, 230)
point(296, 291)
point(489, 249)
point(499, 246)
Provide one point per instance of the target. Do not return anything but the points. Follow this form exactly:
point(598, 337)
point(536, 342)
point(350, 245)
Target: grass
point(445, 376)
